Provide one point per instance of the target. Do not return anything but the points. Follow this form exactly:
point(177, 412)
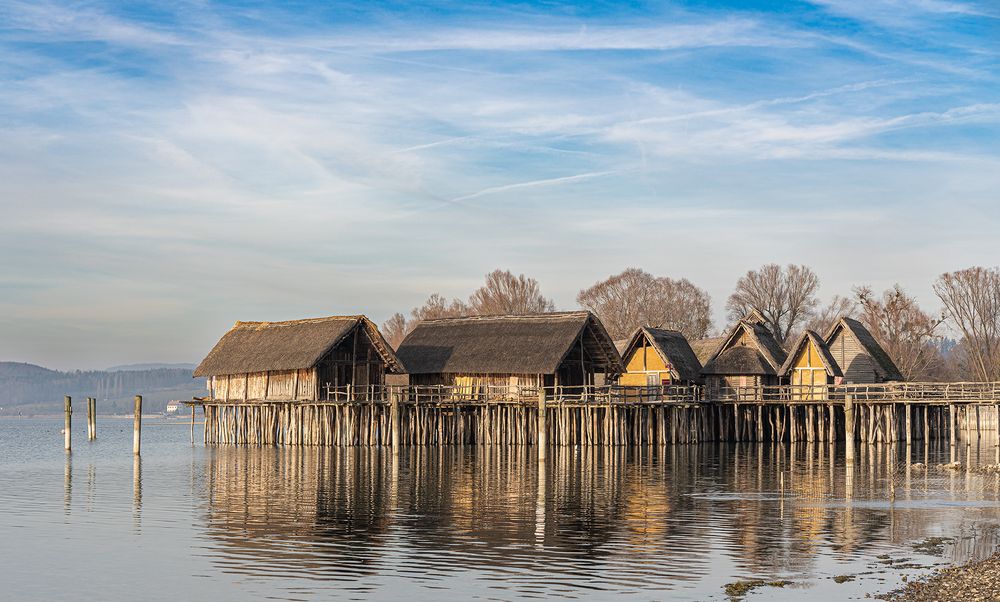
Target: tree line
point(786, 298)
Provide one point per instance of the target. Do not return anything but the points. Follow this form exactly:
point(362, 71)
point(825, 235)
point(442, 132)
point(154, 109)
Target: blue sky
point(169, 168)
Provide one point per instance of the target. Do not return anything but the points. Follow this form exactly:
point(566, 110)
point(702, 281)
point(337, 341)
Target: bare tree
point(636, 298)
point(824, 319)
point(904, 330)
point(395, 329)
point(437, 306)
point(505, 293)
point(971, 299)
point(784, 297)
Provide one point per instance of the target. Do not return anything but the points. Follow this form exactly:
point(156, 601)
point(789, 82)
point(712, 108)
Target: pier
point(609, 415)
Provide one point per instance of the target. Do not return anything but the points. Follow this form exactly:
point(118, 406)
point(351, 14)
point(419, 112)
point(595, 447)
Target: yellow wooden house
point(658, 357)
point(810, 368)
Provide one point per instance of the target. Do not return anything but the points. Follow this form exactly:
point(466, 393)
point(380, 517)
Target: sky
point(169, 168)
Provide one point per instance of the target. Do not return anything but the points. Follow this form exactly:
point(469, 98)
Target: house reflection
point(653, 516)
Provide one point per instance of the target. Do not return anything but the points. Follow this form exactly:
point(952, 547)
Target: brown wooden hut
point(749, 356)
point(560, 349)
point(859, 355)
point(656, 357)
point(297, 360)
point(810, 368)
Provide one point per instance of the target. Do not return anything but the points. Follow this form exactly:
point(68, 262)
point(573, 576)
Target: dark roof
point(772, 356)
point(706, 348)
point(672, 348)
point(741, 359)
point(522, 344)
point(883, 363)
point(291, 345)
point(824, 354)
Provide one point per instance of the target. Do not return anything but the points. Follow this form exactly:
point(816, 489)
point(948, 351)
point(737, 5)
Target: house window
point(652, 380)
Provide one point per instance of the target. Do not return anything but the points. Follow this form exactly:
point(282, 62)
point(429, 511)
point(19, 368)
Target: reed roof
point(521, 344)
point(822, 349)
point(291, 345)
point(762, 342)
point(673, 349)
point(883, 363)
point(704, 349)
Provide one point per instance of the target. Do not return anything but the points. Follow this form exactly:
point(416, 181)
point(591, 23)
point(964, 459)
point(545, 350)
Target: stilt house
point(749, 357)
point(556, 350)
point(859, 355)
point(300, 360)
point(810, 368)
point(656, 357)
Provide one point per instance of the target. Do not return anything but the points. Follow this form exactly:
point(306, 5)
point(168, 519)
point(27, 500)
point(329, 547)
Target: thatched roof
point(704, 349)
point(821, 347)
point(762, 342)
point(739, 360)
point(528, 344)
point(672, 348)
point(291, 345)
point(883, 363)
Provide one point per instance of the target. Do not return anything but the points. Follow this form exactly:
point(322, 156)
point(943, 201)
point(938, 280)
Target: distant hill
point(135, 367)
point(30, 389)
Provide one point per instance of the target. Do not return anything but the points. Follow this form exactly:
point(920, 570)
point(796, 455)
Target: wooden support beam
point(849, 428)
point(909, 426)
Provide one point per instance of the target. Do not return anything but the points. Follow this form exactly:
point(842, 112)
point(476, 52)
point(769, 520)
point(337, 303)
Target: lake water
point(231, 523)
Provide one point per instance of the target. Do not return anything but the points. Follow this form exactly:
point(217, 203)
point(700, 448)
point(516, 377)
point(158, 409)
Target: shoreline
point(976, 581)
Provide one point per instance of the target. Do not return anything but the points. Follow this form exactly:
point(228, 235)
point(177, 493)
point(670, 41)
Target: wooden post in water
point(394, 419)
point(137, 424)
point(849, 428)
point(952, 424)
point(909, 426)
point(93, 418)
point(192, 424)
point(542, 425)
point(67, 431)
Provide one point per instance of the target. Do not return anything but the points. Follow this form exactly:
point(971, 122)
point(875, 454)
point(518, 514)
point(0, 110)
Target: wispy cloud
point(286, 164)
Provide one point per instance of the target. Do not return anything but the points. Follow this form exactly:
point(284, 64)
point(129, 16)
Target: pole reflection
point(653, 517)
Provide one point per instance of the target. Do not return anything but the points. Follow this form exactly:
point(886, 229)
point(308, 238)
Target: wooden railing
point(902, 392)
point(899, 392)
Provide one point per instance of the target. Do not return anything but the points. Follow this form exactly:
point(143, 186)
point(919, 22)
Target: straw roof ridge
point(287, 345)
point(672, 347)
point(868, 342)
point(547, 316)
point(505, 344)
point(824, 354)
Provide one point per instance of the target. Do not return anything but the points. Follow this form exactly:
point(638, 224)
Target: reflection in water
point(137, 493)
point(68, 484)
point(585, 520)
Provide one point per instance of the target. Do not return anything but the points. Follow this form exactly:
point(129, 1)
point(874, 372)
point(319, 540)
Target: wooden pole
point(93, 419)
point(542, 425)
point(849, 428)
point(952, 423)
point(394, 419)
point(68, 429)
point(192, 424)
point(909, 426)
point(137, 425)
